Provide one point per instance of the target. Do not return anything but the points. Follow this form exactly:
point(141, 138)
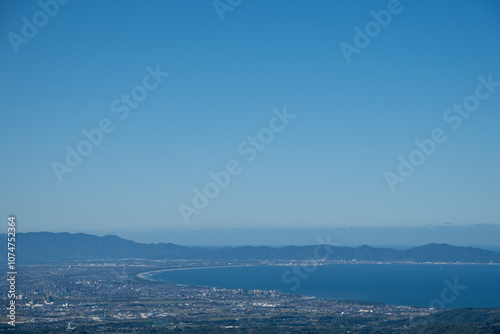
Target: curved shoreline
point(345, 293)
point(147, 274)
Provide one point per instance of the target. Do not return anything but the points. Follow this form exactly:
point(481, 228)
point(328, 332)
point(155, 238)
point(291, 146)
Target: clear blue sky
point(325, 169)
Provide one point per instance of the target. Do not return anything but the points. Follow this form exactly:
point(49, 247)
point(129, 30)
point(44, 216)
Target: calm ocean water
point(449, 286)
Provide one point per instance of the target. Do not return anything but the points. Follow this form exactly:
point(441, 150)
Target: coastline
point(147, 274)
point(287, 280)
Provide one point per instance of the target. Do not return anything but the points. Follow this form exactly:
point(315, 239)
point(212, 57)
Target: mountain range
point(39, 246)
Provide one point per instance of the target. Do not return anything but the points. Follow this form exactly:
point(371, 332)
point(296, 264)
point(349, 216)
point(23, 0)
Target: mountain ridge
point(63, 245)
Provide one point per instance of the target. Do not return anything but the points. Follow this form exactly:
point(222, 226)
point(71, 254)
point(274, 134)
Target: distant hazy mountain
point(407, 236)
point(55, 246)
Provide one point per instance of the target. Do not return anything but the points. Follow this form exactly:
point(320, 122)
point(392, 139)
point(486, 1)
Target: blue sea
point(438, 286)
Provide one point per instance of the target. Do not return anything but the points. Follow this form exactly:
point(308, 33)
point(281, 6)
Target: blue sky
point(325, 169)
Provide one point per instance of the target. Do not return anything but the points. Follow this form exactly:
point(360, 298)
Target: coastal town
point(104, 296)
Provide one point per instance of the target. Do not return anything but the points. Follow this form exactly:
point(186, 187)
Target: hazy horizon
point(478, 235)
